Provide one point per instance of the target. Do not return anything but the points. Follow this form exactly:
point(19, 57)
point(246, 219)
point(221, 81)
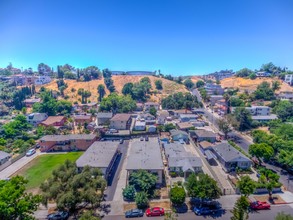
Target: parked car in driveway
point(30, 152)
point(61, 215)
point(156, 211)
point(257, 205)
point(134, 213)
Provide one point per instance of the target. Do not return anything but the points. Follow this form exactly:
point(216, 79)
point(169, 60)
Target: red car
point(259, 205)
point(156, 211)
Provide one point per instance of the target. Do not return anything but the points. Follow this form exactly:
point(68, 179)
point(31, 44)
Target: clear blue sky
point(176, 36)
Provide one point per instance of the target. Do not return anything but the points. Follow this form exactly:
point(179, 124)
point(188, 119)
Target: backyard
point(40, 169)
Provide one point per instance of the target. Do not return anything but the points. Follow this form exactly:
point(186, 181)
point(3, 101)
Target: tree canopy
point(188, 83)
point(177, 195)
point(180, 101)
point(264, 91)
point(15, 202)
point(159, 84)
point(243, 118)
point(118, 103)
point(246, 185)
point(261, 151)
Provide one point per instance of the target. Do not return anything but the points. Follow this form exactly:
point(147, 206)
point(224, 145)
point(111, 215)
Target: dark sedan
point(62, 215)
point(134, 213)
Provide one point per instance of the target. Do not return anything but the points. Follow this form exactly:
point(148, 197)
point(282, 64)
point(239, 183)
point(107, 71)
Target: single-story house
point(184, 126)
point(204, 135)
point(215, 98)
point(205, 145)
point(148, 118)
point(199, 111)
point(30, 102)
point(165, 136)
point(198, 124)
point(179, 160)
point(177, 134)
point(70, 142)
point(139, 126)
point(145, 155)
point(55, 121)
point(4, 157)
point(230, 158)
point(179, 112)
point(102, 155)
point(121, 122)
point(82, 119)
point(103, 118)
point(187, 117)
point(149, 105)
point(36, 118)
point(162, 117)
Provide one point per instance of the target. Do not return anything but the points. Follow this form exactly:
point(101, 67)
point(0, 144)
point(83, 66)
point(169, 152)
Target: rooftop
point(176, 132)
point(99, 154)
point(229, 153)
point(205, 133)
point(31, 100)
point(184, 125)
point(105, 115)
point(68, 137)
point(144, 155)
point(82, 117)
point(205, 144)
point(121, 117)
point(4, 155)
point(264, 117)
point(53, 119)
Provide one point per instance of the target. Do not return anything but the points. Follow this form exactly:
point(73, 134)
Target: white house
point(139, 126)
point(41, 80)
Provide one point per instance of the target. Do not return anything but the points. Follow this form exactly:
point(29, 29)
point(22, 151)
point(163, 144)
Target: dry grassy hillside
point(169, 87)
point(251, 85)
point(194, 79)
point(91, 86)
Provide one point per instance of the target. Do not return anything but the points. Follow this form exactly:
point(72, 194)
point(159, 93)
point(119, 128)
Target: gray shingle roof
point(145, 155)
point(4, 155)
point(228, 153)
point(121, 117)
point(176, 132)
point(105, 115)
point(68, 137)
point(264, 117)
point(99, 154)
point(204, 133)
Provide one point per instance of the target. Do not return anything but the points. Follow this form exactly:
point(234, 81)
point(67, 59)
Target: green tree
point(243, 117)
point(264, 91)
point(224, 126)
point(276, 85)
point(199, 83)
point(261, 151)
point(89, 215)
point(252, 76)
point(84, 95)
point(283, 216)
point(118, 103)
point(245, 72)
point(284, 110)
point(15, 202)
point(188, 83)
point(143, 181)
point(69, 189)
point(246, 186)
point(129, 192)
point(168, 127)
point(127, 89)
point(177, 195)
point(153, 111)
point(202, 186)
point(159, 84)
point(101, 92)
point(141, 200)
point(236, 102)
point(241, 209)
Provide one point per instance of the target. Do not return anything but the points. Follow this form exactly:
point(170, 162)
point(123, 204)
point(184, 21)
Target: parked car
point(156, 211)
point(207, 209)
point(181, 208)
point(112, 130)
point(181, 141)
point(257, 205)
point(30, 152)
point(146, 138)
point(61, 215)
point(121, 141)
point(134, 213)
point(141, 138)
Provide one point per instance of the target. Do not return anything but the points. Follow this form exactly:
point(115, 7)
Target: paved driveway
point(13, 168)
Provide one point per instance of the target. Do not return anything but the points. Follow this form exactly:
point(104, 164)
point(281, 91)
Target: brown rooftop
point(82, 117)
point(205, 144)
point(184, 125)
point(183, 111)
point(121, 117)
point(53, 119)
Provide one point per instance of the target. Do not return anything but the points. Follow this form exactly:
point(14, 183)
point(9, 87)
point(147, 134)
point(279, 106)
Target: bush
point(177, 195)
point(141, 200)
point(129, 193)
point(173, 174)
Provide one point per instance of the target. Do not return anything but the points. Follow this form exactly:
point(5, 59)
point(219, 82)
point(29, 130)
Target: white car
point(30, 152)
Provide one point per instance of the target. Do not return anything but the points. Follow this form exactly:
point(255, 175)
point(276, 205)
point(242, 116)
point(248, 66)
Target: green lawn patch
point(41, 167)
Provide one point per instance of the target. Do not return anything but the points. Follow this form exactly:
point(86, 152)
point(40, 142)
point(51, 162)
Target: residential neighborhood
point(168, 110)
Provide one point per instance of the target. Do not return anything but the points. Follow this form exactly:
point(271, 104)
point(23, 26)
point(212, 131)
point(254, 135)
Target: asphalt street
point(259, 215)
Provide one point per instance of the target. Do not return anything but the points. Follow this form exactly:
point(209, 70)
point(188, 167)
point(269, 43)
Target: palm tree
point(101, 91)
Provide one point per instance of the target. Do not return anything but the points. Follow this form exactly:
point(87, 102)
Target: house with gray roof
point(230, 158)
point(145, 155)
point(178, 134)
point(36, 118)
point(204, 135)
point(101, 154)
point(4, 157)
point(181, 161)
point(103, 118)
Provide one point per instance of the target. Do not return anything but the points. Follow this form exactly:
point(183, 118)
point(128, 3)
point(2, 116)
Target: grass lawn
point(40, 169)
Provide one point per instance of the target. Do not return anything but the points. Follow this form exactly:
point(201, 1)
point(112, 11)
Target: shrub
point(141, 200)
point(177, 195)
point(129, 193)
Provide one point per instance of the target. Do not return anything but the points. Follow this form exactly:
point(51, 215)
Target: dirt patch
point(164, 204)
point(164, 193)
point(265, 198)
point(265, 129)
point(251, 85)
